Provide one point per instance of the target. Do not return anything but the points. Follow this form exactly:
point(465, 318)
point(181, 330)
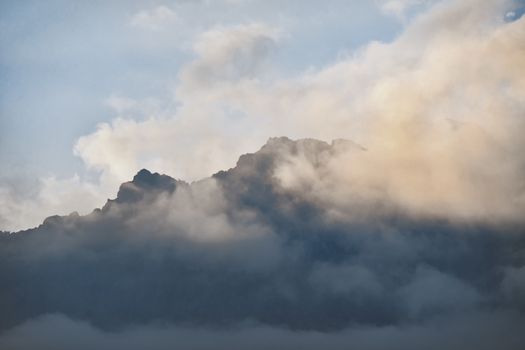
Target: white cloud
point(197, 139)
point(228, 54)
point(154, 19)
point(510, 14)
point(120, 103)
point(53, 197)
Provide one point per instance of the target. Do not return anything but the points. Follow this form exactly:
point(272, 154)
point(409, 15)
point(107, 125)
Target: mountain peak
point(278, 140)
point(145, 178)
point(143, 175)
point(145, 183)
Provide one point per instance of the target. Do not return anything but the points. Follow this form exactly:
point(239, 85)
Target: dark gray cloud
point(239, 257)
point(481, 331)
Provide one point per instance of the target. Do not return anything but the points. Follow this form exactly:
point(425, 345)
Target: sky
point(68, 66)
point(94, 91)
point(63, 62)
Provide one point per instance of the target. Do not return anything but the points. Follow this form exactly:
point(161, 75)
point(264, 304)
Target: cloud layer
point(483, 332)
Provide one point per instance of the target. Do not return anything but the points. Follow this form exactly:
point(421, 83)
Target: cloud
point(487, 331)
point(513, 285)
point(228, 54)
point(431, 144)
point(224, 57)
point(347, 279)
point(154, 19)
point(120, 103)
point(442, 129)
point(49, 196)
point(432, 292)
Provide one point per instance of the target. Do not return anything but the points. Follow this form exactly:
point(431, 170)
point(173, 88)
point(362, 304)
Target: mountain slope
point(259, 243)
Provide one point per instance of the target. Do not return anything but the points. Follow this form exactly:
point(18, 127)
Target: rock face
point(144, 184)
point(239, 247)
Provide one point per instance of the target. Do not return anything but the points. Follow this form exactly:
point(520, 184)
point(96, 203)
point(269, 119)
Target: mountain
point(259, 243)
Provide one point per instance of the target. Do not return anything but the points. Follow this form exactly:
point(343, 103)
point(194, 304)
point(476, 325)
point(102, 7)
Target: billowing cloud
point(228, 54)
point(49, 196)
point(421, 105)
point(224, 57)
point(438, 110)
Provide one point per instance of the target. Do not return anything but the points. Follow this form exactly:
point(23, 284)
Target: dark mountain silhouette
point(239, 247)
